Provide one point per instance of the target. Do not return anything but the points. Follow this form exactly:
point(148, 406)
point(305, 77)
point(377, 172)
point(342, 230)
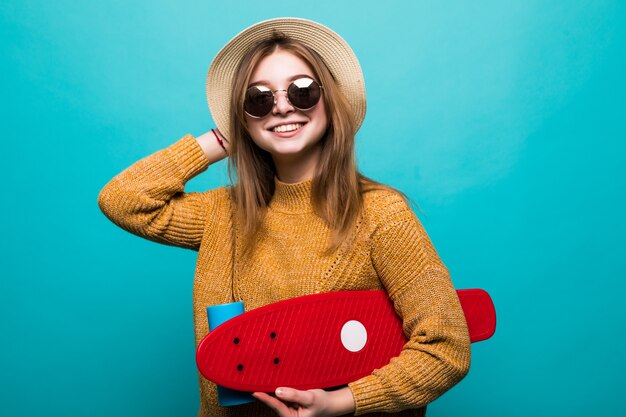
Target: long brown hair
point(337, 186)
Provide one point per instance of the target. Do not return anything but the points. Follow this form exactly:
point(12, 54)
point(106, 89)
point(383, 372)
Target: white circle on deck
point(353, 335)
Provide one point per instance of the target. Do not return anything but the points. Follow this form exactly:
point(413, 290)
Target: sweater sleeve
point(437, 354)
point(148, 198)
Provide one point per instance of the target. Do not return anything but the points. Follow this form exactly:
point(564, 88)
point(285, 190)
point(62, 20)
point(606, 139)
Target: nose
point(281, 103)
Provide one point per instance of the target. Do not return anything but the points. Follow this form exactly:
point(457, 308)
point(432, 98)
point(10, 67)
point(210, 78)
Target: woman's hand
point(211, 146)
point(291, 402)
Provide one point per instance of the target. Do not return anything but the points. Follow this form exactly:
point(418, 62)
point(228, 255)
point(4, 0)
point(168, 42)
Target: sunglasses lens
point(259, 101)
point(304, 93)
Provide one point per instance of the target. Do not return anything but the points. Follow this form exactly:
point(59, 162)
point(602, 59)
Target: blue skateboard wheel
point(217, 315)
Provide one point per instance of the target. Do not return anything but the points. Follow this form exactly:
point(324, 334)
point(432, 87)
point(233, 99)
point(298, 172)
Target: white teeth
point(287, 128)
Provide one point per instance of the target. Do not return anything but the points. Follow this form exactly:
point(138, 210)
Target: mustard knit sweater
point(390, 251)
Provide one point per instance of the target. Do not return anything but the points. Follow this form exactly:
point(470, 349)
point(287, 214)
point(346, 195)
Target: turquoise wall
point(503, 121)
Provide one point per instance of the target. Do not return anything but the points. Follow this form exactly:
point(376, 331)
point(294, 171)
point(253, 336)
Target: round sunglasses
point(303, 94)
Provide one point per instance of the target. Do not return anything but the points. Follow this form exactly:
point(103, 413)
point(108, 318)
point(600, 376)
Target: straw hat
point(336, 53)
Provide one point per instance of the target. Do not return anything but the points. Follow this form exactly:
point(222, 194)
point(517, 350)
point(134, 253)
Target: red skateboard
point(318, 341)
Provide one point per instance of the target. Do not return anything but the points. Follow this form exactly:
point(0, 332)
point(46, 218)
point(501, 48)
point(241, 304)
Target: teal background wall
point(503, 121)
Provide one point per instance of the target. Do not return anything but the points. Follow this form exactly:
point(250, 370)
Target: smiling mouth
point(287, 128)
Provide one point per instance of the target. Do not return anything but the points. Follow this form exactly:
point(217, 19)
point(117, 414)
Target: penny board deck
point(318, 341)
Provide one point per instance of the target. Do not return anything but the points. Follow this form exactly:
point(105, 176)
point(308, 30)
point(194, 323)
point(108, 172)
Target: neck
point(296, 168)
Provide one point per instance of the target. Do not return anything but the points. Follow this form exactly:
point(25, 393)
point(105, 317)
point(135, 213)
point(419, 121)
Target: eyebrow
point(293, 77)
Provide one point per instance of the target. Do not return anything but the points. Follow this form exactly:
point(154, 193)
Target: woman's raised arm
point(148, 198)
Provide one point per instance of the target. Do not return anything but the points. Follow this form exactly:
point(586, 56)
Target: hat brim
point(334, 51)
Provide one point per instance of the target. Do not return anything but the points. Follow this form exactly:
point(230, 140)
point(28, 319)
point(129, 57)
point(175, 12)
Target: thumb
point(304, 398)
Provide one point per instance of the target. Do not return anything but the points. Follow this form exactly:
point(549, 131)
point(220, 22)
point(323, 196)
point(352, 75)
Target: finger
point(275, 404)
point(304, 398)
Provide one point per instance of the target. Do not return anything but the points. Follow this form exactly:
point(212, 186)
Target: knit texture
point(389, 250)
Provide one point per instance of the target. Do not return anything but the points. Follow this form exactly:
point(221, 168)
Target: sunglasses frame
point(286, 96)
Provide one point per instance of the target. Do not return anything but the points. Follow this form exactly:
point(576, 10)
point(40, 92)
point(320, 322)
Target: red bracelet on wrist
point(220, 141)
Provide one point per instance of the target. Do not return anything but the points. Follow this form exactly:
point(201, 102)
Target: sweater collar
point(292, 197)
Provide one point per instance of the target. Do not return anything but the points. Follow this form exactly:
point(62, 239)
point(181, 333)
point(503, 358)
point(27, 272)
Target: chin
point(294, 148)
point(289, 150)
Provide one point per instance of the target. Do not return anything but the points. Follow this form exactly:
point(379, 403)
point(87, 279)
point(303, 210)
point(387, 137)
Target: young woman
point(287, 96)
